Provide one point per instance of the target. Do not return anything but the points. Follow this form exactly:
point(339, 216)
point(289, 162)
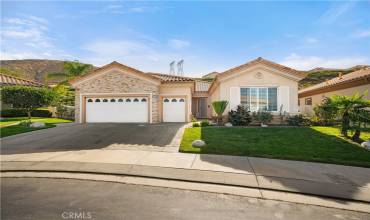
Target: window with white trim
point(259, 98)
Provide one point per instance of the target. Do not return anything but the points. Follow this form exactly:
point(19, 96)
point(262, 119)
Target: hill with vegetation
point(37, 70)
point(318, 75)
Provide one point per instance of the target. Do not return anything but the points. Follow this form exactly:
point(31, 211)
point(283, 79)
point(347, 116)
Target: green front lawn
point(7, 129)
point(319, 144)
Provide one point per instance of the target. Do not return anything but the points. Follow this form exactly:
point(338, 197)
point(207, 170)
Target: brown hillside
point(32, 69)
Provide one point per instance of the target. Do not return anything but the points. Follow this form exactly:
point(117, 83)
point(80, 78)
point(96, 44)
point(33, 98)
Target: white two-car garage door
point(121, 109)
point(174, 110)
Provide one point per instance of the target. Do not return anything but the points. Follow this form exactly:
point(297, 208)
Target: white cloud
point(27, 37)
point(38, 19)
point(148, 55)
point(178, 44)
point(114, 6)
point(119, 9)
point(137, 9)
point(312, 40)
point(134, 52)
point(362, 34)
point(309, 62)
point(336, 11)
point(32, 33)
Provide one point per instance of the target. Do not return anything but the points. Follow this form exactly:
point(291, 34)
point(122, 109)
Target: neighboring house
point(118, 93)
point(7, 80)
point(348, 84)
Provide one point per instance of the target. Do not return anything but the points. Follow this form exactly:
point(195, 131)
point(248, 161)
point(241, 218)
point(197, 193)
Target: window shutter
point(234, 97)
point(283, 98)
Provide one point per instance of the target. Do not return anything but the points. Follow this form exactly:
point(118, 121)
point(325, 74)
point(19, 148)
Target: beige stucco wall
point(214, 96)
point(267, 78)
point(179, 90)
point(117, 81)
point(317, 98)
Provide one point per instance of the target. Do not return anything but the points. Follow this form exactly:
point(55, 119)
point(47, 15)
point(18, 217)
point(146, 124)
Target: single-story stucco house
point(348, 85)
point(118, 93)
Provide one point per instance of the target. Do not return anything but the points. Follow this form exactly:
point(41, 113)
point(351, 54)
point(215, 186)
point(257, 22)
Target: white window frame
point(258, 95)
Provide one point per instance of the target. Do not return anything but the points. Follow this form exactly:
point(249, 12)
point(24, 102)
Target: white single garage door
point(174, 110)
point(124, 109)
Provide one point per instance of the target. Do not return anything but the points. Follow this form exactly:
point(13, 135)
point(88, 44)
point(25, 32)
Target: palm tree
point(219, 107)
point(359, 116)
point(71, 69)
point(348, 107)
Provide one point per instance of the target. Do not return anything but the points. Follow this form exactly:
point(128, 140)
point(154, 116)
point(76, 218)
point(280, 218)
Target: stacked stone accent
point(117, 82)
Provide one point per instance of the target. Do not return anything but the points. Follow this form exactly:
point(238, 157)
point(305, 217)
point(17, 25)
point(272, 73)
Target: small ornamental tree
point(28, 98)
point(219, 107)
point(240, 116)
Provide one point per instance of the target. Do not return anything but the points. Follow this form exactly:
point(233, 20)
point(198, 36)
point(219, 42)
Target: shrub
point(66, 112)
point(298, 120)
point(41, 113)
point(240, 117)
point(12, 113)
point(204, 123)
point(7, 113)
point(264, 117)
point(196, 124)
point(325, 113)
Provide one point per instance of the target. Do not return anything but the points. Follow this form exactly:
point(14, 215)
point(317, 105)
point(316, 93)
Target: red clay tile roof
point(6, 80)
point(171, 78)
point(260, 60)
point(347, 78)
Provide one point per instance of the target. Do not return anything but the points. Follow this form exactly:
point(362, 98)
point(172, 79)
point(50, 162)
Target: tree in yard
point(71, 69)
point(66, 99)
point(326, 112)
point(348, 107)
point(28, 98)
point(219, 107)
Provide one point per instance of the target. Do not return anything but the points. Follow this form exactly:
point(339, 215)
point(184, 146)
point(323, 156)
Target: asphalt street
point(44, 198)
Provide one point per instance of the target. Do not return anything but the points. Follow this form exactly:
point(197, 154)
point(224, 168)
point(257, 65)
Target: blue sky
point(209, 36)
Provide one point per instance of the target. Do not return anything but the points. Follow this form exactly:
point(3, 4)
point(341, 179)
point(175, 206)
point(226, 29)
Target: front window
point(262, 98)
point(308, 101)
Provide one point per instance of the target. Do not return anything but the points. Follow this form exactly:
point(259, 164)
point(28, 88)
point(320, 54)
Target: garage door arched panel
point(174, 110)
point(117, 109)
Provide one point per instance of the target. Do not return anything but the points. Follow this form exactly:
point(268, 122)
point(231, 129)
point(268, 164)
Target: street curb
point(306, 187)
point(197, 186)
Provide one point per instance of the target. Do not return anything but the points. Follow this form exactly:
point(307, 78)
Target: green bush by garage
point(8, 113)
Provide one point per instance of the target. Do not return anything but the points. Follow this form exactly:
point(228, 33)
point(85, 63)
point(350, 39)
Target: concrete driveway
point(95, 136)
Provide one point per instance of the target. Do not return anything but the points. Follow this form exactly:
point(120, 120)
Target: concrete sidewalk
point(292, 176)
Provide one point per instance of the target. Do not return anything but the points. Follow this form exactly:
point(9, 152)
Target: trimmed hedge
point(9, 113)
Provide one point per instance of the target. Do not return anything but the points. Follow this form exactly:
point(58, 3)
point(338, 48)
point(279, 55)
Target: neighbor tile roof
point(347, 78)
point(171, 78)
point(6, 80)
point(260, 60)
